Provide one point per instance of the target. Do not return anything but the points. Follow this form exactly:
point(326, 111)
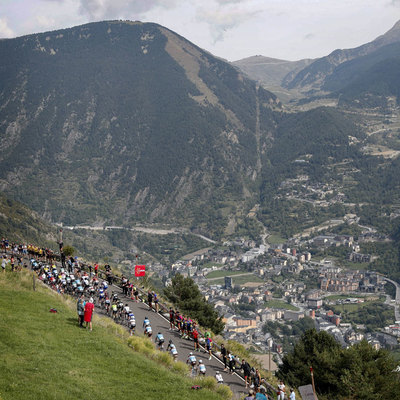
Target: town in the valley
point(269, 294)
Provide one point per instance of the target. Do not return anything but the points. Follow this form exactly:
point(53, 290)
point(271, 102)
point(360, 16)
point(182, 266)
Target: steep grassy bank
point(46, 356)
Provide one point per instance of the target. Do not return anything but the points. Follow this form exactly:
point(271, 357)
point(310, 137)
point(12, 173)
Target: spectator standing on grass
point(89, 307)
point(292, 395)
point(80, 307)
point(281, 388)
point(4, 263)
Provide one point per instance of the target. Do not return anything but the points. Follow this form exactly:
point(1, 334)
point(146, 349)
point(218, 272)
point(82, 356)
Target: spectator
point(4, 263)
point(80, 307)
point(223, 354)
point(281, 388)
point(231, 360)
point(246, 372)
point(150, 299)
point(261, 395)
point(292, 395)
point(89, 307)
point(250, 396)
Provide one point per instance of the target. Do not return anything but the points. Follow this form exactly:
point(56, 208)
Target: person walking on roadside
point(80, 308)
point(89, 307)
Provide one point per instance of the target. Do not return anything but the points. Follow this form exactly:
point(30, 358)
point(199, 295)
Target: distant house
point(290, 315)
point(314, 303)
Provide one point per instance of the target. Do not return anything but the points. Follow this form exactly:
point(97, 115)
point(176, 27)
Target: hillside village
point(270, 285)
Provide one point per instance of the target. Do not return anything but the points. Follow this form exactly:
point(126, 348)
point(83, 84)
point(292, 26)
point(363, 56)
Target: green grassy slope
point(46, 356)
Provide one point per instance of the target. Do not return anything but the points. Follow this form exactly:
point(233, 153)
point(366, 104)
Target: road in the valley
point(397, 298)
point(152, 231)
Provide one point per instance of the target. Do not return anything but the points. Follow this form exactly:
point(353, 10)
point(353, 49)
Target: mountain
point(125, 122)
point(313, 76)
point(269, 71)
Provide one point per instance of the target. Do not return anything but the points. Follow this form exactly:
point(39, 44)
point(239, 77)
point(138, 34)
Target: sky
point(231, 29)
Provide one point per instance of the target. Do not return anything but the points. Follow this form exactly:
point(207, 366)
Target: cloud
point(225, 15)
point(129, 9)
point(45, 22)
point(5, 30)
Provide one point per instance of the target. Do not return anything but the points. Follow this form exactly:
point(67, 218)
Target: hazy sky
point(232, 29)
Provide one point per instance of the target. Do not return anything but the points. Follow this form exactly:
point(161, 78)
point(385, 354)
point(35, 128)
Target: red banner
point(140, 270)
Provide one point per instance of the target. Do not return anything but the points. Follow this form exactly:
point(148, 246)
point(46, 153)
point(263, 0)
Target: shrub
point(224, 391)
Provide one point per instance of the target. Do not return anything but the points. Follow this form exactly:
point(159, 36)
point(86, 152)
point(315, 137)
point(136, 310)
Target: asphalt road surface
point(160, 323)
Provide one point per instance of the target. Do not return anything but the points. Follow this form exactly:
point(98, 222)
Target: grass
point(357, 306)
point(47, 356)
point(223, 273)
point(344, 296)
point(274, 238)
point(280, 304)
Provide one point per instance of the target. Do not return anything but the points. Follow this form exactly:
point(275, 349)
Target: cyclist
point(201, 368)
point(146, 322)
point(148, 331)
point(160, 341)
point(191, 360)
point(193, 363)
point(172, 350)
point(219, 377)
point(132, 324)
point(114, 309)
point(126, 311)
point(107, 302)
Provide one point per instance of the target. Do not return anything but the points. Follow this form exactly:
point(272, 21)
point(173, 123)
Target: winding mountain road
point(160, 323)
